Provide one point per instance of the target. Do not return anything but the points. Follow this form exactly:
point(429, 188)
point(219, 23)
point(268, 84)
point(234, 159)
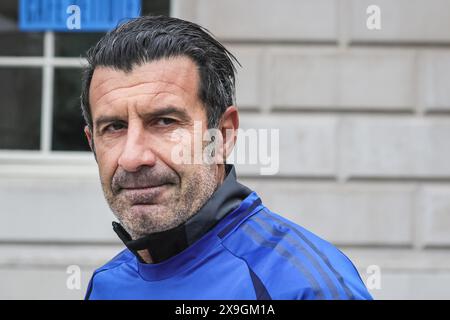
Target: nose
point(136, 152)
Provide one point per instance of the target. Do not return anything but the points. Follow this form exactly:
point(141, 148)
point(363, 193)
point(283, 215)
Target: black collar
point(165, 244)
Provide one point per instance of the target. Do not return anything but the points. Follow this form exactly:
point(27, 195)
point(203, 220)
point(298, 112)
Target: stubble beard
point(184, 201)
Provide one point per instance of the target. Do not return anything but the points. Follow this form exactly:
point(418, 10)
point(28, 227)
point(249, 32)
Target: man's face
point(135, 116)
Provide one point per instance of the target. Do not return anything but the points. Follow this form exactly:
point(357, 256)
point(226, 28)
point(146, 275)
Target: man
point(191, 230)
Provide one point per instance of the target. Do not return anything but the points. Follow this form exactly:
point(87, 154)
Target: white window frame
point(43, 161)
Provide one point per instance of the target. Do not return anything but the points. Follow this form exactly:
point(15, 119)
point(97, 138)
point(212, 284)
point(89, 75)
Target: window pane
point(156, 7)
point(76, 44)
point(14, 42)
point(68, 122)
point(20, 108)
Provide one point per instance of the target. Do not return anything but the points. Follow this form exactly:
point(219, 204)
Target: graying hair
point(149, 38)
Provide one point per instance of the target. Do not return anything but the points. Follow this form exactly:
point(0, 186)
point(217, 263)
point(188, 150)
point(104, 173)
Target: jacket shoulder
point(292, 262)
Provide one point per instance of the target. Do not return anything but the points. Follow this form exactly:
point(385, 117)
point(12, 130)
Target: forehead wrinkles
point(144, 91)
point(176, 74)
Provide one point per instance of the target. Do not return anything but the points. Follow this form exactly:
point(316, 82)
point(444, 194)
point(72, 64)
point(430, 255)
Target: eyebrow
point(170, 110)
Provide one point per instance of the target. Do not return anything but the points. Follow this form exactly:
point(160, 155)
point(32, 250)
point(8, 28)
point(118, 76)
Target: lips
point(143, 195)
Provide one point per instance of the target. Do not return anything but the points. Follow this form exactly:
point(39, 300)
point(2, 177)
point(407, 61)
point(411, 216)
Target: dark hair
point(150, 38)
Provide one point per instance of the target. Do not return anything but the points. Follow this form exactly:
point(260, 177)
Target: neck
point(220, 174)
point(145, 256)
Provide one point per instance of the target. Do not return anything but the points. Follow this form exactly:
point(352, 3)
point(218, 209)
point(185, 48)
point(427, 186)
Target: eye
point(165, 121)
point(115, 126)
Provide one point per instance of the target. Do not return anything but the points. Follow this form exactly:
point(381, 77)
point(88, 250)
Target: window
point(20, 112)
point(68, 123)
point(40, 81)
point(14, 42)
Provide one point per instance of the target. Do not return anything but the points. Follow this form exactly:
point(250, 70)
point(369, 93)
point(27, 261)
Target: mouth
point(144, 195)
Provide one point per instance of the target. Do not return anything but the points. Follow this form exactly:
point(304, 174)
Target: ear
point(228, 126)
point(88, 134)
point(90, 139)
